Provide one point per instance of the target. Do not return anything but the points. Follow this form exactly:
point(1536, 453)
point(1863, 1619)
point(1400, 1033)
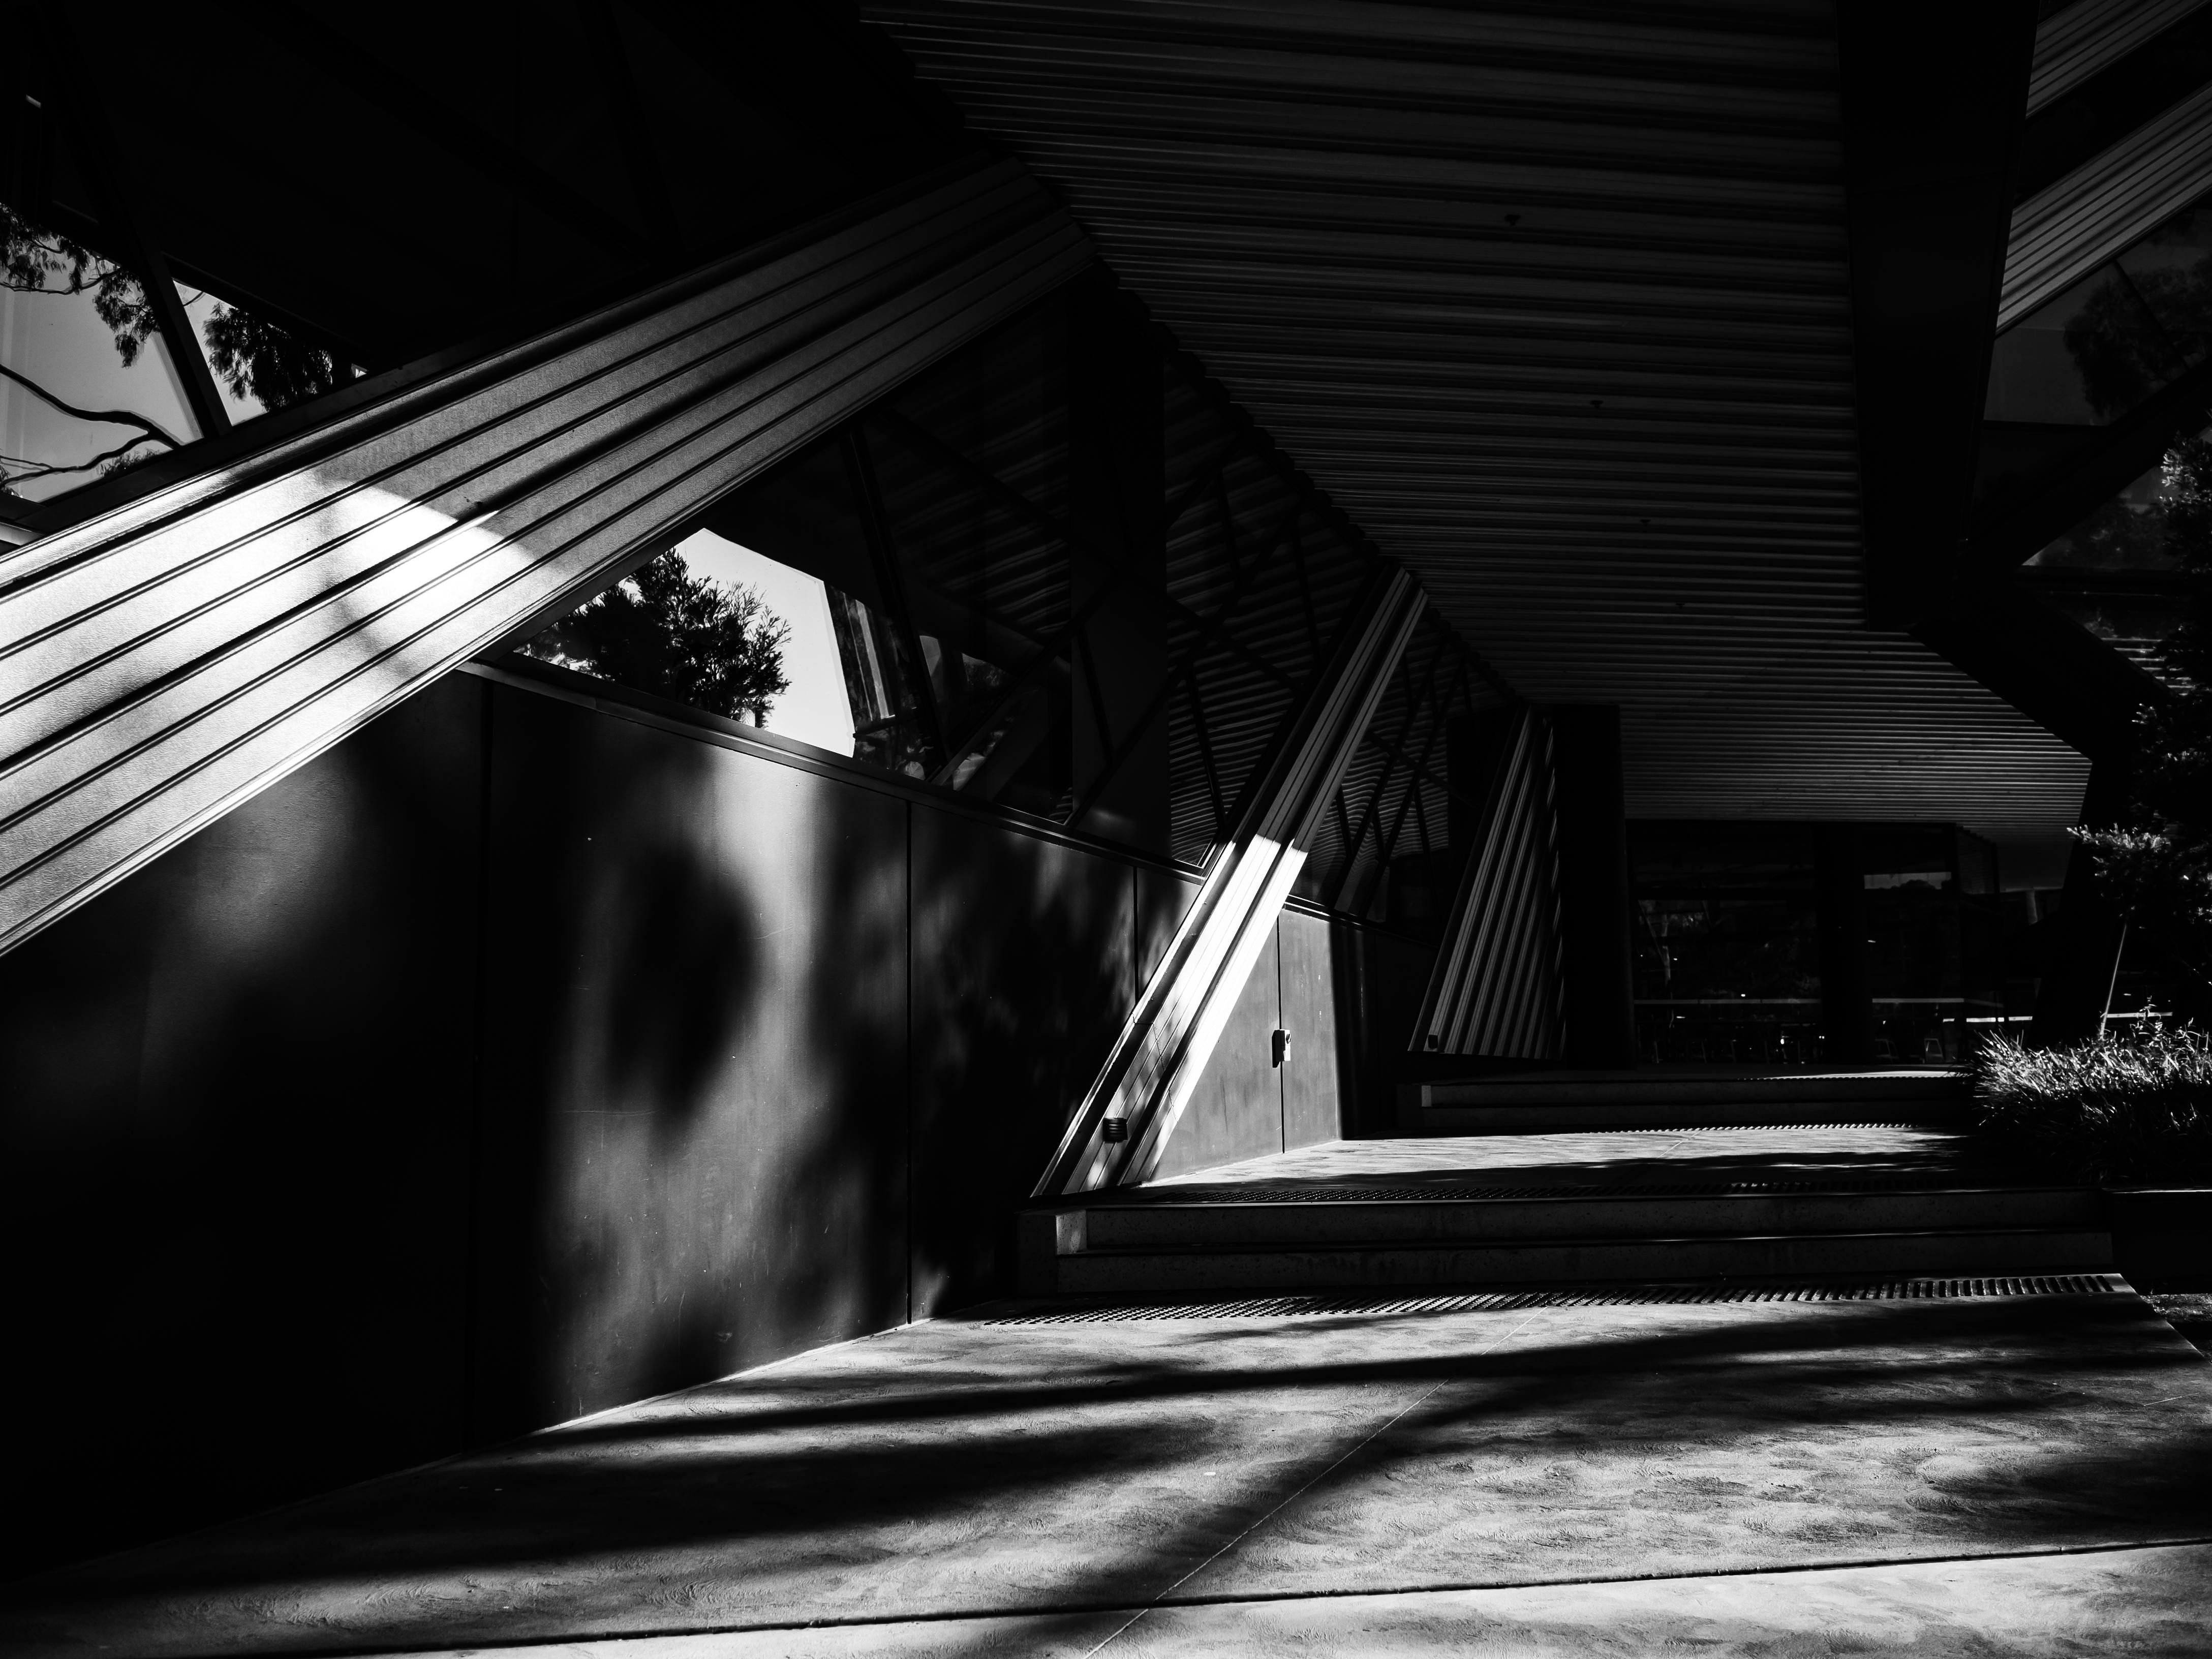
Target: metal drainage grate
point(1319, 1304)
point(1448, 1192)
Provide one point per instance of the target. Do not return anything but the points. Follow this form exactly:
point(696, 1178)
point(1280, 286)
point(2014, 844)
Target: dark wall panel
point(1313, 1102)
point(1391, 974)
point(1023, 968)
point(1237, 1110)
point(695, 1148)
point(518, 1059)
point(1594, 928)
point(236, 1137)
point(1164, 899)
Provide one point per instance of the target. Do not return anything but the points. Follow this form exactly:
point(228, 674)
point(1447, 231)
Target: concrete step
point(1626, 1213)
point(1684, 1097)
point(1569, 1261)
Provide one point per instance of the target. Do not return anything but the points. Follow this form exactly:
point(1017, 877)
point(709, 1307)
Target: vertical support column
point(1119, 1132)
point(1846, 997)
point(1116, 510)
point(1594, 887)
point(2071, 1002)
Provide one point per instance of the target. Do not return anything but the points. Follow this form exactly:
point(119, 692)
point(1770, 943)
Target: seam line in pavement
point(1312, 1481)
point(499, 1643)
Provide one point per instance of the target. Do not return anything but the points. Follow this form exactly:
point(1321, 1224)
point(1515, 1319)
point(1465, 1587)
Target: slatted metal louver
point(1496, 988)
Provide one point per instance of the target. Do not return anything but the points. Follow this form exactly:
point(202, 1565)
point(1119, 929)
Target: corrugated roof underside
point(1555, 305)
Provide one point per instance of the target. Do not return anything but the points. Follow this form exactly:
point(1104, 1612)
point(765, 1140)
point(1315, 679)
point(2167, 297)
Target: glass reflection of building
point(1736, 923)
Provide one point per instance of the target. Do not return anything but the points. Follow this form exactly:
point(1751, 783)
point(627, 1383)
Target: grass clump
point(2132, 1107)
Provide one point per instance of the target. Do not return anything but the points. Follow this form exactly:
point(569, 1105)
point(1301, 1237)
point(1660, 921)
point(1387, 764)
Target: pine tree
point(688, 638)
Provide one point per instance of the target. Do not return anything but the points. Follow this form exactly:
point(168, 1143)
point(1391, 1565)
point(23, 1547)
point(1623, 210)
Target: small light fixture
point(1113, 1129)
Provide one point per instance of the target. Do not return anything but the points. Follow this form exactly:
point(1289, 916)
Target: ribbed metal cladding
point(1554, 306)
point(166, 661)
point(2063, 233)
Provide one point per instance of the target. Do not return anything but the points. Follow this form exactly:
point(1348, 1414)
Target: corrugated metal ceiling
point(1553, 302)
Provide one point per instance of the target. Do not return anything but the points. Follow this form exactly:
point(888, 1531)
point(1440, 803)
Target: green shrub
point(2134, 1107)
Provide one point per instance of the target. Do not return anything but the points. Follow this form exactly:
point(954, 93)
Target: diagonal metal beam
point(1417, 766)
point(1202, 480)
point(1163, 1049)
point(1385, 844)
point(1209, 626)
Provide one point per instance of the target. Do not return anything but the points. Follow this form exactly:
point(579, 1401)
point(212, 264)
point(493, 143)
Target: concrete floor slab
point(993, 1472)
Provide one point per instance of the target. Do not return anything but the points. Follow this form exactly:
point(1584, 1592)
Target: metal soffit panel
point(1554, 304)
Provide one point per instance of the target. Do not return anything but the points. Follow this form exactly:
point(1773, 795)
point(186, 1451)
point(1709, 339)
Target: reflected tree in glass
point(2118, 349)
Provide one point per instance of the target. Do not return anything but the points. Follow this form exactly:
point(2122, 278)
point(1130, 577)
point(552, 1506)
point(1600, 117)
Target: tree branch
point(47, 470)
point(110, 417)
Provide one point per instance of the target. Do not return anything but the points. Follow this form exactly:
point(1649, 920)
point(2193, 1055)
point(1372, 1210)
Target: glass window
point(1727, 942)
point(2127, 533)
point(2089, 354)
point(2171, 270)
point(88, 387)
point(907, 576)
point(2082, 358)
point(1933, 920)
point(2113, 574)
point(721, 628)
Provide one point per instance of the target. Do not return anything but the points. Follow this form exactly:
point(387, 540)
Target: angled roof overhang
point(1558, 303)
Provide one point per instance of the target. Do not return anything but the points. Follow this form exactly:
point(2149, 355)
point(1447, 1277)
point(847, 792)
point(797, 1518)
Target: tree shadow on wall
point(621, 961)
point(700, 1060)
point(683, 969)
point(1022, 963)
point(824, 1257)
